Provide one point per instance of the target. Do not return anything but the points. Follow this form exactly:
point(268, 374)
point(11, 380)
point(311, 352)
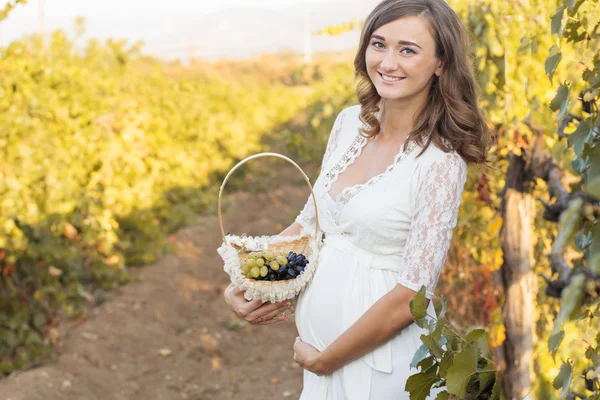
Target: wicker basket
point(236, 249)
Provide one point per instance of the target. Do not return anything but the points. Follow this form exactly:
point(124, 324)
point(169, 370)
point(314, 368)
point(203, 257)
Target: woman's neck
point(398, 118)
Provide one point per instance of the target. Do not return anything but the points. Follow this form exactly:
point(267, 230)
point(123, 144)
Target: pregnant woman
point(390, 187)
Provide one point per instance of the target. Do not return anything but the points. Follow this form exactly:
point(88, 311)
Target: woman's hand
point(255, 312)
point(309, 358)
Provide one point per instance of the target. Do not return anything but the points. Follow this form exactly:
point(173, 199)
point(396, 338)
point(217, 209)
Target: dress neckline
point(347, 159)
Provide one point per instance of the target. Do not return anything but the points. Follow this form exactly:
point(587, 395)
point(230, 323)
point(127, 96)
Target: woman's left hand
point(309, 358)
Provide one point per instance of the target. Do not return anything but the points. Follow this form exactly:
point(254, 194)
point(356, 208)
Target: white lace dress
point(394, 229)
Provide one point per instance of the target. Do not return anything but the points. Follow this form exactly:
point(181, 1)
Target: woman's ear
point(439, 69)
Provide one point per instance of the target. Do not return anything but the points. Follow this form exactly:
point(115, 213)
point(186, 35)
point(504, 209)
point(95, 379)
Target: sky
point(178, 29)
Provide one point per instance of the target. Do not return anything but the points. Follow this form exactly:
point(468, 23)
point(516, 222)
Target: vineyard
point(105, 151)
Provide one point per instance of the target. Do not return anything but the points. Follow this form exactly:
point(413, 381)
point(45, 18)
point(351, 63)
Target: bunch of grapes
point(266, 266)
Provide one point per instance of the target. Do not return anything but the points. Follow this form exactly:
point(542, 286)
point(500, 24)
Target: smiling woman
point(388, 196)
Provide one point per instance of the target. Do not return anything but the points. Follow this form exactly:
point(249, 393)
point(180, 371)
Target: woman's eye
point(377, 45)
point(410, 51)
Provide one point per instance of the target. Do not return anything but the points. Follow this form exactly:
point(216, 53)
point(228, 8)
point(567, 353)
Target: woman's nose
point(389, 62)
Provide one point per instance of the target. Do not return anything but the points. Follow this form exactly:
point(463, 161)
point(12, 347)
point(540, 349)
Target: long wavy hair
point(451, 118)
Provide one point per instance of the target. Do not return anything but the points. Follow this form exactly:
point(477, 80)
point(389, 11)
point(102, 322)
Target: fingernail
point(283, 318)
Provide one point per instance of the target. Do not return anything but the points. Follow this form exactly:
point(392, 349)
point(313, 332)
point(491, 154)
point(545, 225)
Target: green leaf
point(554, 342)
point(485, 379)
point(419, 385)
point(445, 363)
point(417, 304)
point(561, 100)
point(426, 363)
point(572, 32)
point(497, 389)
point(39, 321)
point(475, 334)
point(464, 367)
point(420, 354)
point(569, 223)
point(439, 327)
point(444, 301)
point(452, 340)
point(594, 169)
point(442, 396)
point(557, 20)
point(594, 264)
point(552, 62)
point(525, 44)
point(10, 338)
point(572, 296)
point(579, 136)
point(563, 379)
point(593, 187)
point(432, 344)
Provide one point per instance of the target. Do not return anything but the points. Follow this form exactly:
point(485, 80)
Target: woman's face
point(401, 59)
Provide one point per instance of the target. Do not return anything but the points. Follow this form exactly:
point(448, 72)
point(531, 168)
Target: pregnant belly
point(319, 307)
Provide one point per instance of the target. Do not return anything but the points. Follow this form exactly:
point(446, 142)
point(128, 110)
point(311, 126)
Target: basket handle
point(239, 164)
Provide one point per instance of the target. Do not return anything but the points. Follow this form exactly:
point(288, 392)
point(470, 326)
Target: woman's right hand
point(255, 312)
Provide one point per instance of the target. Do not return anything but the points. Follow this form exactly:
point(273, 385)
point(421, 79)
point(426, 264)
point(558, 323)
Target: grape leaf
point(593, 187)
point(432, 344)
point(563, 379)
point(552, 62)
point(561, 100)
point(419, 385)
point(442, 396)
point(554, 342)
point(420, 354)
point(557, 20)
point(417, 304)
point(464, 367)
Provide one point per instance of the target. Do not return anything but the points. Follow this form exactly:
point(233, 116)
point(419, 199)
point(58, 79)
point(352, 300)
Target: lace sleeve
point(433, 219)
point(307, 217)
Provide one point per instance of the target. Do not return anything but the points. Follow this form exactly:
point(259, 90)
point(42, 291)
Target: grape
point(251, 262)
point(274, 265)
point(291, 273)
point(260, 262)
point(245, 268)
point(281, 260)
point(264, 271)
point(254, 272)
point(269, 256)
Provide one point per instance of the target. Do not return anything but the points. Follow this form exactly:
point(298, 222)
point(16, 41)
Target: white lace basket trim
point(282, 290)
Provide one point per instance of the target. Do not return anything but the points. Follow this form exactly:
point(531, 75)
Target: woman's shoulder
point(351, 111)
point(349, 116)
point(435, 156)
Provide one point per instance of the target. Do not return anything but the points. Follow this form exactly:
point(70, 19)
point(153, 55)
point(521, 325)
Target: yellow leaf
point(494, 226)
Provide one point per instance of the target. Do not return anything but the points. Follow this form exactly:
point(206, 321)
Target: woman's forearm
point(294, 229)
point(388, 316)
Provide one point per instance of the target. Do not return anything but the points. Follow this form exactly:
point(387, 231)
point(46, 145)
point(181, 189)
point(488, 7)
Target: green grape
point(245, 268)
point(254, 272)
point(264, 271)
point(251, 262)
point(274, 265)
point(269, 256)
point(260, 262)
point(281, 260)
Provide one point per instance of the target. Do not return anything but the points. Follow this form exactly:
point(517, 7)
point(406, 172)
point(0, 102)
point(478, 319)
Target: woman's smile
point(390, 79)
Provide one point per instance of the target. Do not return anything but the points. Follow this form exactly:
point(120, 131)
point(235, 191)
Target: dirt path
point(169, 335)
